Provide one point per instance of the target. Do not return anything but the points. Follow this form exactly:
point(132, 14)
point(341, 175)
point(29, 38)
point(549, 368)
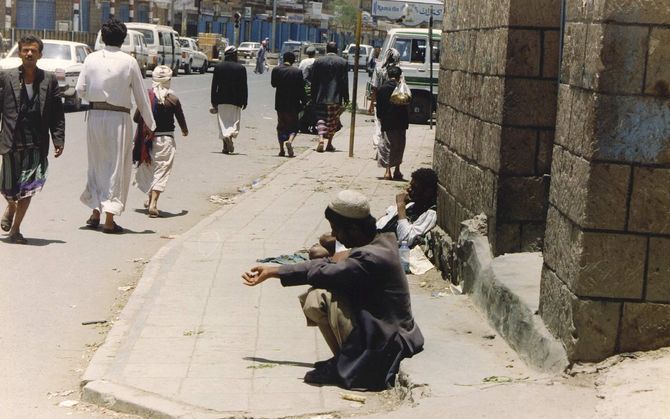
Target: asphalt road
point(69, 274)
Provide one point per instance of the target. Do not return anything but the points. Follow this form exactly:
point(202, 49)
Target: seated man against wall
point(410, 218)
point(359, 300)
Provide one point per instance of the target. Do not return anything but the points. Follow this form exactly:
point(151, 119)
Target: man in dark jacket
point(394, 119)
point(289, 101)
point(229, 96)
point(329, 80)
point(31, 108)
point(359, 300)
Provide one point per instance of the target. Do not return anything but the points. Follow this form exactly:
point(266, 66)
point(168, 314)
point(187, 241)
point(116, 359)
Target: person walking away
point(155, 164)
point(394, 121)
point(379, 77)
point(32, 110)
point(261, 58)
point(329, 79)
point(289, 101)
point(306, 63)
point(307, 122)
point(359, 299)
point(229, 96)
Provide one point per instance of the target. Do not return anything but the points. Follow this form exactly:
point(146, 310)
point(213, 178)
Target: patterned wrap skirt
point(288, 124)
point(328, 119)
point(23, 173)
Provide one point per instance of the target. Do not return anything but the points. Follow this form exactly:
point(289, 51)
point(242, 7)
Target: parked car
point(292, 46)
point(133, 45)
point(248, 50)
point(162, 44)
point(64, 58)
point(363, 59)
point(191, 56)
point(320, 50)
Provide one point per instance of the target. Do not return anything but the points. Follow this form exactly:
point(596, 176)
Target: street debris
point(126, 288)
point(64, 393)
point(423, 284)
point(68, 403)
point(489, 337)
point(193, 332)
point(221, 200)
point(170, 237)
point(261, 366)
point(93, 322)
point(322, 417)
point(436, 294)
point(353, 397)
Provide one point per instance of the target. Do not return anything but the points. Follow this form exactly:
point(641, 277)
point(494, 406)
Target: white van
point(133, 45)
point(364, 56)
point(414, 62)
point(162, 44)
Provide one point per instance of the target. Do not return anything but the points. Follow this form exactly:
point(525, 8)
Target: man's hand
point(259, 274)
point(340, 256)
point(184, 133)
point(402, 199)
point(213, 109)
point(58, 150)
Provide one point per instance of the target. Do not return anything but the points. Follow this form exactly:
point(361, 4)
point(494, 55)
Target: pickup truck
point(191, 56)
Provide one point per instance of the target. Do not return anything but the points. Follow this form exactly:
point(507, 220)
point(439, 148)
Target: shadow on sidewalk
point(270, 361)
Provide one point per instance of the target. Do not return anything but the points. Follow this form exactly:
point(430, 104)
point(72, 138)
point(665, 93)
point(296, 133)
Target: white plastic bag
point(401, 94)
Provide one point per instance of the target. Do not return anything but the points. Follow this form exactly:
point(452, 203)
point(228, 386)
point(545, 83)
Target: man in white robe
point(107, 80)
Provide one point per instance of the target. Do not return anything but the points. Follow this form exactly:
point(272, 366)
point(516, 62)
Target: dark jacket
point(51, 104)
point(290, 93)
point(229, 84)
point(329, 78)
point(165, 114)
point(391, 116)
point(384, 332)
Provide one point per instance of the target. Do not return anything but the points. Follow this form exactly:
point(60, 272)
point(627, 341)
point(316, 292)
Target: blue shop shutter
point(142, 12)
point(45, 14)
point(85, 12)
point(104, 10)
point(123, 12)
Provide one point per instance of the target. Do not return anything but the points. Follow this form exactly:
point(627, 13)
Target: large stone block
point(650, 201)
point(445, 85)
point(445, 208)
point(492, 99)
point(587, 328)
point(627, 11)
point(518, 150)
point(491, 47)
point(658, 274)
point(550, 54)
point(524, 52)
point(593, 195)
point(581, 139)
point(657, 81)
point(530, 103)
point(615, 58)
point(590, 264)
point(487, 146)
point(522, 198)
point(442, 125)
point(450, 19)
point(644, 326)
point(574, 47)
point(537, 13)
point(508, 238)
point(545, 146)
point(563, 114)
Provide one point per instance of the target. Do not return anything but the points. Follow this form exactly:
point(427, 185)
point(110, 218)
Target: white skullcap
point(350, 204)
point(230, 50)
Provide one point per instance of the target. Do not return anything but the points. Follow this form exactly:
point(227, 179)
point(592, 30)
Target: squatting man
point(359, 299)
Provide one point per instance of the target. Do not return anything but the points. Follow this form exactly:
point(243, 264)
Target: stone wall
point(606, 278)
point(496, 117)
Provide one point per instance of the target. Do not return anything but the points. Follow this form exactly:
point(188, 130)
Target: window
point(57, 52)
point(148, 35)
point(414, 50)
point(404, 47)
point(81, 54)
point(436, 51)
point(418, 51)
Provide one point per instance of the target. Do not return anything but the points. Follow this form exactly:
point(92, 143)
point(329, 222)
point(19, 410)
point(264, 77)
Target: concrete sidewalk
point(194, 342)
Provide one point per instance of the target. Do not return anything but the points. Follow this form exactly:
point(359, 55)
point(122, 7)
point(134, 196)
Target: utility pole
point(354, 93)
point(274, 25)
point(429, 49)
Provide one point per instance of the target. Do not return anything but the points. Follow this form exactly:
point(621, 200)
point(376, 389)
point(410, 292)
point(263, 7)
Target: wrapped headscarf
point(391, 57)
point(161, 77)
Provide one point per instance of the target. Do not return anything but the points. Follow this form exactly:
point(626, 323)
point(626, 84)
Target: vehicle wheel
point(187, 68)
point(419, 108)
point(143, 71)
point(203, 68)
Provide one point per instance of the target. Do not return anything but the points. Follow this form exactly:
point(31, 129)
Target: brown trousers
point(331, 312)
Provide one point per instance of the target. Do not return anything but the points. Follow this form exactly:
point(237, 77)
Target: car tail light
point(60, 74)
point(183, 55)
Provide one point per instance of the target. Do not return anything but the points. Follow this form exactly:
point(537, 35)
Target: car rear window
point(57, 52)
point(148, 35)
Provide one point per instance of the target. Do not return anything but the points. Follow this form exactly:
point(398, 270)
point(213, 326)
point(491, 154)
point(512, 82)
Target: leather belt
point(104, 106)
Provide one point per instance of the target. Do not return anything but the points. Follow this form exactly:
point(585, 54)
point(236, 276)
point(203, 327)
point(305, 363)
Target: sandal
point(319, 148)
point(117, 229)
point(398, 176)
point(154, 213)
point(330, 148)
point(289, 148)
point(6, 223)
point(17, 238)
point(93, 222)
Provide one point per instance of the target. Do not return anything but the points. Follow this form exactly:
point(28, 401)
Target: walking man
point(31, 108)
point(229, 96)
point(289, 101)
point(107, 80)
point(261, 58)
point(329, 80)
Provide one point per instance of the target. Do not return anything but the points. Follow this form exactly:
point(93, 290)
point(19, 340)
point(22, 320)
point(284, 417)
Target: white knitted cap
point(350, 204)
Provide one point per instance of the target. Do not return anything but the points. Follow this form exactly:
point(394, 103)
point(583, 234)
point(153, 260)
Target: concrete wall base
point(506, 289)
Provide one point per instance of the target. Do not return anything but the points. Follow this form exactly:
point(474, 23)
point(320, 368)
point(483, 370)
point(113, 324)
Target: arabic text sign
point(416, 13)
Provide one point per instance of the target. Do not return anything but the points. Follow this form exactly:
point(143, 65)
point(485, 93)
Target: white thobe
point(111, 76)
point(406, 231)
